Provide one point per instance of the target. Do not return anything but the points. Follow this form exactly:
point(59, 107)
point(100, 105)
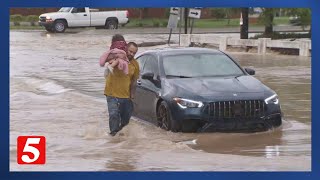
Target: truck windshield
point(65, 9)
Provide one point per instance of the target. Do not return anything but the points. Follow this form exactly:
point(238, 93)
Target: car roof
point(180, 50)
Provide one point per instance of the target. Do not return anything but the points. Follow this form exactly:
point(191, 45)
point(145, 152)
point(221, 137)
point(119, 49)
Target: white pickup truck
point(72, 17)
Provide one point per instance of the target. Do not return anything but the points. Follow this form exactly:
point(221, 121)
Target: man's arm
point(133, 87)
point(133, 84)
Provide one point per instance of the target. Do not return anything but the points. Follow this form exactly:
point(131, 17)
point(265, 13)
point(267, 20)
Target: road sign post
point(192, 23)
point(194, 13)
point(180, 25)
point(173, 21)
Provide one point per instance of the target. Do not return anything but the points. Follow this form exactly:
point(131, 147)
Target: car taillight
point(127, 13)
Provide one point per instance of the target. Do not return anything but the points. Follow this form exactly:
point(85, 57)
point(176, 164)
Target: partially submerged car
point(201, 90)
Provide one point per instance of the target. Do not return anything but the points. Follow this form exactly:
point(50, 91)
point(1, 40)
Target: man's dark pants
point(120, 111)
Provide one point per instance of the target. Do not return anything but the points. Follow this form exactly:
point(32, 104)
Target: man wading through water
point(120, 90)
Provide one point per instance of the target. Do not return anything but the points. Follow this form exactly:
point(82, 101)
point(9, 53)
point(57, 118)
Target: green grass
point(147, 23)
point(277, 35)
point(26, 27)
point(278, 21)
point(200, 23)
point(281, 20)
point(20, 18)
point(211, 23)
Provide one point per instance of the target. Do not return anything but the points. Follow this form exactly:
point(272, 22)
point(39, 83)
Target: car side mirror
point(250, 71)
point(147, 75)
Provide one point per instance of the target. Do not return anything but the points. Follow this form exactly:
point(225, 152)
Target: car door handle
point(139, 82)
point(85, 15)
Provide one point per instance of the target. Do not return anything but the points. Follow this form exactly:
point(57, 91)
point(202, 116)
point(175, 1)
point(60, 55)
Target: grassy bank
point(201, 23)
point(26, 27)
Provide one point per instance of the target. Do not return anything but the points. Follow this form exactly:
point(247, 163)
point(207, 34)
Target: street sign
point(195, 13)
point(173, 21)
point(174, 10)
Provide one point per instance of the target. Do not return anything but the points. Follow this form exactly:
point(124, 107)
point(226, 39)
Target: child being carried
point(116, 56)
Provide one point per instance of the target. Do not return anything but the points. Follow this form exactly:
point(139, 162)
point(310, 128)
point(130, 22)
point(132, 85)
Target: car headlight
point(187, 103)
point(48, 17)
point(272, 99)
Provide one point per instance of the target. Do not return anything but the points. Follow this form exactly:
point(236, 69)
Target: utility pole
point(186, 11)
point(244, 23)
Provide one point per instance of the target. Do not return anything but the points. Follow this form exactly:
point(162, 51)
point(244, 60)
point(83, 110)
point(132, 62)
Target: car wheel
point(60, 26)
point(112, 24)
point(164, 118)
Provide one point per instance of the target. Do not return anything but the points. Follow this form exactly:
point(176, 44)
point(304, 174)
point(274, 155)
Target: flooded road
point(56, 90)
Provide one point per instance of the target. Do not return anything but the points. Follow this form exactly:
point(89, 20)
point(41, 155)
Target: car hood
point(218, 87)
point(51, 14)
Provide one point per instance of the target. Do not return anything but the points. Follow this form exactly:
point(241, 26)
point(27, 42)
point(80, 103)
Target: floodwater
point(56, 90)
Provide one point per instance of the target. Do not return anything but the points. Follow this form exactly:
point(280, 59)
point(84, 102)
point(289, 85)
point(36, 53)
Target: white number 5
point(31, 149)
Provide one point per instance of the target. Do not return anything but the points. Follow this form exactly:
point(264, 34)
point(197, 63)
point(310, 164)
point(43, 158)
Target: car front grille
point(236, 109)
point(42, 19)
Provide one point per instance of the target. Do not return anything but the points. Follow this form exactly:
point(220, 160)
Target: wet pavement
point(56, 90)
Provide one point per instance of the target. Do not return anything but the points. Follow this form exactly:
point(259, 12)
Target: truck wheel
point(111, 24)
point(49, 29)
point(60, 26)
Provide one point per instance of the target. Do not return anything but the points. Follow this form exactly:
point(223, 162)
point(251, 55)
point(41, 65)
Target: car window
point(81, 10)
point(150, 65)
point(141, 60)
point(197, 65)
point(65, 9)
point(78, 10)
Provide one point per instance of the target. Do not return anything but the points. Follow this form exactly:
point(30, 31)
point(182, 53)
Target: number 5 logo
point(31, 150)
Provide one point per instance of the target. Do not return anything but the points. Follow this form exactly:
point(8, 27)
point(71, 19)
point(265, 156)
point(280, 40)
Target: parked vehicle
point(295, 21)
point(200, 90)
point(72, 17)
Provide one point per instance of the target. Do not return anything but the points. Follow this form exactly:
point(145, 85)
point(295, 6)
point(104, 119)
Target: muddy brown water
point(56, 90)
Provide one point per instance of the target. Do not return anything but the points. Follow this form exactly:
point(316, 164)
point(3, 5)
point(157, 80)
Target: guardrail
point(261, 44)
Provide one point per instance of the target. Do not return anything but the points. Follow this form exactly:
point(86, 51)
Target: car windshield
point(200, 65)
point(65, 9)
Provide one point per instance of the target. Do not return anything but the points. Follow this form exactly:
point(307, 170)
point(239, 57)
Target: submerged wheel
point(60, 26)
point(164, 118)
point(111, 24)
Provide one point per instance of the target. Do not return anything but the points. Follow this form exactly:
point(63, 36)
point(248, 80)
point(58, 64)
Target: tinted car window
point(197, 65)
point(150, 65)
point(78, 10)
point(81, 10)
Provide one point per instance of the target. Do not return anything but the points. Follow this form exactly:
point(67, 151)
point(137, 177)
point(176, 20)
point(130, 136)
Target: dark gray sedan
point(201, 90)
